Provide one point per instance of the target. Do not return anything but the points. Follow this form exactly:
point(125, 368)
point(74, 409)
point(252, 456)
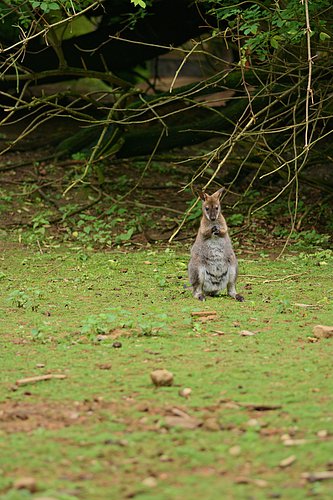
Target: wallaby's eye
point(207, 208)
point(217, 207)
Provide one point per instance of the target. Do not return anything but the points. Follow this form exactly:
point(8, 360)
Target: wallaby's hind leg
point(198, 293)
point(231, 287)
point(197, 281)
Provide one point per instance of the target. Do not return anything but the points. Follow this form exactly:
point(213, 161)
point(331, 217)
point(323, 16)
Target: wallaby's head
point(211, 207)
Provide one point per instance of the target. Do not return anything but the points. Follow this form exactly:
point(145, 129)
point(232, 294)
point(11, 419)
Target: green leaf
point(139, 3)
point(53, 6)
point(324, 36)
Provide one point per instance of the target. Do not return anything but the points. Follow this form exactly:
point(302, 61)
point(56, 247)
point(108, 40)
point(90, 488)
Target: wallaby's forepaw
point(201, 297)
point(215, 230)
point(240, 298)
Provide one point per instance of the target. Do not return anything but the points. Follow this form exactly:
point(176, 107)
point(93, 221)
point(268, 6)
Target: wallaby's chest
point(214, 252)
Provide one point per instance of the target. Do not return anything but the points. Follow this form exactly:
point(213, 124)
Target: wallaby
point(213, 265)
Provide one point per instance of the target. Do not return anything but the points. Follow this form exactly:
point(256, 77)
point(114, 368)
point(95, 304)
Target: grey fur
point(213, 265)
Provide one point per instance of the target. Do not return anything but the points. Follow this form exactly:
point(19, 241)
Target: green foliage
point(263, 26)
point(24, 299)
point(235, 219)
point(24, 14)
point(45, 6)
point(145, 324)
point(303, 238)
point(139, 3)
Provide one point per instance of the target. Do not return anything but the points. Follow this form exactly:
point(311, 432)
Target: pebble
point(26, 483)
point(161, 378)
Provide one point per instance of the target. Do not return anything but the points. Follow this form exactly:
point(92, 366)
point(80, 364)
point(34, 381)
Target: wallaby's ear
point(219, 192)
point(203, 195)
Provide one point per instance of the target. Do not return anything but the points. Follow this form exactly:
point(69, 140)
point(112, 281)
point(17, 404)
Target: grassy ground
point(259, 414)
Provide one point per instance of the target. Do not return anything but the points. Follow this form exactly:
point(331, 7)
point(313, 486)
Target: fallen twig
point(260, 407)
point(284, 278)
point(39, 378)
point(203, 313)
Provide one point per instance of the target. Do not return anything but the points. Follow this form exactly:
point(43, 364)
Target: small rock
point(322, 433)
point(323, 332)
point(185, 393)
point(253, 422)
point(161, 378)
point(117, 345)
point(234, 451)
point(40, 365)
point(260, 482)
point(26, 483)
point(211, 424)
point(150, 481)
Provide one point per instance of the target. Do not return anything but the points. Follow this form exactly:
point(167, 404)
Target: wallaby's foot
point(232, 293)
point(200, 296)
point(240, 298)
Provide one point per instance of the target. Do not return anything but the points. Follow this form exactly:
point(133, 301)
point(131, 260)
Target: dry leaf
point(286, 462)
point(204, 319)
point(187, 422)
point(318, 476)
point(313, 340)
point(307, 306)
point(294, 442)
point(204, 316)
point(246, 480)
point(246, 333)
point(104, 366)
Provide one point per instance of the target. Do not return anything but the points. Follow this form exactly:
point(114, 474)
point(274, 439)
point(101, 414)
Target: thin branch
point(309, 92)
point(43, 32)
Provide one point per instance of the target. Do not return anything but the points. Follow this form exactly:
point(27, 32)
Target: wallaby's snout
point(213, 213)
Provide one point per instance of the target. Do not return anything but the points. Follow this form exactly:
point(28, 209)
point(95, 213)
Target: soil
point(34, 183)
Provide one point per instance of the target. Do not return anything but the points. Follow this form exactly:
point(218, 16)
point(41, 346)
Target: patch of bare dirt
point(23, 416)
